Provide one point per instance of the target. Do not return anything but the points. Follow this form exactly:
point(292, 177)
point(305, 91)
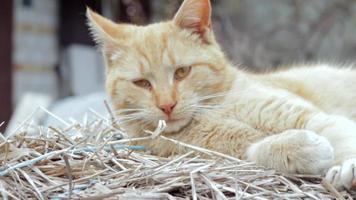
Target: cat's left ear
point(195, 16)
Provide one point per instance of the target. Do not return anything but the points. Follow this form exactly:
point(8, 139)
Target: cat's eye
point(182, 72)
point(143, 83)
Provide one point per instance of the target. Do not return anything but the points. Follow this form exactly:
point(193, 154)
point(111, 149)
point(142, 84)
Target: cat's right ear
point(103, 32)
point(195, 16)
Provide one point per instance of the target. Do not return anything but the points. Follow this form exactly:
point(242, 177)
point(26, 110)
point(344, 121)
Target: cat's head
point(170, 70)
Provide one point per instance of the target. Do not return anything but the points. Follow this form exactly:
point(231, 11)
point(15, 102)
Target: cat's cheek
point(194, 86)
point(198, 80)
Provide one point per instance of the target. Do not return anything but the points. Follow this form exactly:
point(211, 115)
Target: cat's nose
point(168, 108)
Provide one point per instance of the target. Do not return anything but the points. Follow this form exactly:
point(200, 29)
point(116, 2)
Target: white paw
point(343, 176)
point(293, 151)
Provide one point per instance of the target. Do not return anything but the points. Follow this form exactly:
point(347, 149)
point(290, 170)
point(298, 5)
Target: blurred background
point(47, 58)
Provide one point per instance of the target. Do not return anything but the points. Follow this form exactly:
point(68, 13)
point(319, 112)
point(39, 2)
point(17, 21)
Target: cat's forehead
point(156, 46)
point(157, 38)
point(143, 34)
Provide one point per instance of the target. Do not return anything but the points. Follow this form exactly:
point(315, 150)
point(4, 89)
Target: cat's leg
point(282, 113)
point(228, 136)
point(341, 132)
point(293, 151)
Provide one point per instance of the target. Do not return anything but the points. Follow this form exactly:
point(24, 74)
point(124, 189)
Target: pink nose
point(168, 108)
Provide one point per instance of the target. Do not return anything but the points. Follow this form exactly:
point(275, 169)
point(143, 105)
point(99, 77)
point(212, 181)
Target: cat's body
point(330, 87)
point(300, 120)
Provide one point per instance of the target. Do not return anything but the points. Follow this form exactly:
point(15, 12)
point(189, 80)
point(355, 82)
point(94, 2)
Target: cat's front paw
point(343, 176)
point(293, 151)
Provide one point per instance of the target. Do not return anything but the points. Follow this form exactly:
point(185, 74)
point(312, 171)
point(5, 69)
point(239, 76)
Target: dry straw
point(94, 160)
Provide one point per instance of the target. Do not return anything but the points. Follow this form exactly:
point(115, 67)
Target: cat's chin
point(176, 125)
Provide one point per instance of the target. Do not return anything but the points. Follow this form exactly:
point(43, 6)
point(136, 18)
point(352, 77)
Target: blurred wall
point(268, 33)
point(35, 47)
point(263, 34)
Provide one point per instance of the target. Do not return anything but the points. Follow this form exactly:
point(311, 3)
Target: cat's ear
point(195, 16)
point(103, 32)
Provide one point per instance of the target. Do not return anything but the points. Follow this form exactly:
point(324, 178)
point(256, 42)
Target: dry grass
point(94, 160)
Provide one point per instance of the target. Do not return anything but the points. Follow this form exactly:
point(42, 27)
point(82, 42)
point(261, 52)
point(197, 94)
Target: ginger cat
point(301, 120)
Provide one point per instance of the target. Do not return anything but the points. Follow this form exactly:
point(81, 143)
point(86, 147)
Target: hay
point(94, 160)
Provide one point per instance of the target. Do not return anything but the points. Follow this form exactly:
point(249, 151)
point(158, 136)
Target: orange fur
point(297, 120)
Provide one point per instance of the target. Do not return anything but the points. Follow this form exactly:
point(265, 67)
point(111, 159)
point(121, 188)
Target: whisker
point(128, 111)
point(127, 121)
point(211, 96)
point(199, 108)
point(121, 119)
point(207, 106)
point(131, 115)
point(182, 111)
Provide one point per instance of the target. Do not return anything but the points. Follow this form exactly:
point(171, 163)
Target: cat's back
point(330, 87)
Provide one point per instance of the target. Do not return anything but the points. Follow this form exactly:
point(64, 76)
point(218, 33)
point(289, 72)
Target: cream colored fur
point(301, 120)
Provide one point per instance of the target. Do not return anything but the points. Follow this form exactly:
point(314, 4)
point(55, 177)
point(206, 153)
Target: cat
point(301, 120)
